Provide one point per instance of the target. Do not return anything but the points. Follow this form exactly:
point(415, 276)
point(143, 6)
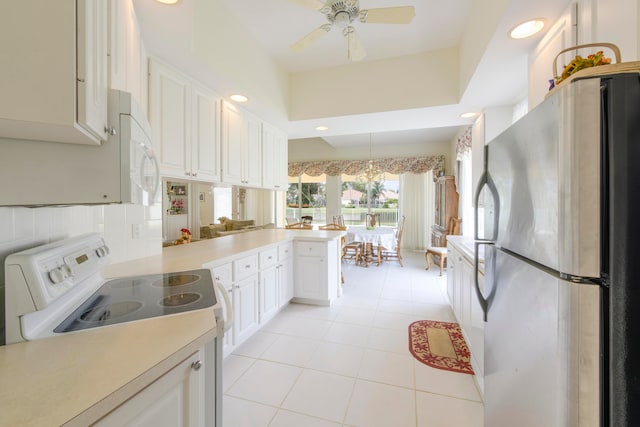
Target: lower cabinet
point(316, 272)
point(461, 290)
point(285, 281)
point(245, 308)
point(174, 399)
point(269, 302)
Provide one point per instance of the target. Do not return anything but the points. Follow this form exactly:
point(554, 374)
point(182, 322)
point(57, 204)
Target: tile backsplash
point(23, 228)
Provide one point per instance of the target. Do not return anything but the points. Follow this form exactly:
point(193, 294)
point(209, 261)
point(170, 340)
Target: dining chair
point(339, 219)
point(299, 226)
point(385, 253)
point(291, 220)
point(441, 251)
point(306, 219)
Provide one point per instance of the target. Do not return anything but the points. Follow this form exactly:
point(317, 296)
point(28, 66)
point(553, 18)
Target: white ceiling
point(277, 24)
point(499, 79)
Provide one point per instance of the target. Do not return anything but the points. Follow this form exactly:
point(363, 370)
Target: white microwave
point(121, 170)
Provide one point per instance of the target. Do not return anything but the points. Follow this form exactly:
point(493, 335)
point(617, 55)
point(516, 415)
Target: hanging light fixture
point(371, 173)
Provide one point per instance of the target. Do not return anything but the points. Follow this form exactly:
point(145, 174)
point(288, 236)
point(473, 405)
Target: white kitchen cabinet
point(285, 274)
point(241, 147)
point(461, 291)
point(245, 308)
point(53, 77)
point(316, 272)
point(127, 63)
point(174, 399)
point(269, 301)
point(274, 158)
point(184, 122)
point(245, 297)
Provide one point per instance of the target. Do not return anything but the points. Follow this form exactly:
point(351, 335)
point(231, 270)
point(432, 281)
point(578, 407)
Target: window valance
point(356, 167)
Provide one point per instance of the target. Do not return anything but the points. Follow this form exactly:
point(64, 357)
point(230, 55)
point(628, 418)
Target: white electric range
point(57, 288)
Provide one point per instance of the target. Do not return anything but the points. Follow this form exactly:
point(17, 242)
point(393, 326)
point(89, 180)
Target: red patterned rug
point(440, 345)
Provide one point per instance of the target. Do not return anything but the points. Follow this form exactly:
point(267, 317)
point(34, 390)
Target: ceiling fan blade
point(310, 4)
point(355, 49)
point(310, 38)
point(388, 15)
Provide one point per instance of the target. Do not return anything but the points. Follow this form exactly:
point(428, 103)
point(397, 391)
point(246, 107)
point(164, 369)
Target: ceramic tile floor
point(349, 364)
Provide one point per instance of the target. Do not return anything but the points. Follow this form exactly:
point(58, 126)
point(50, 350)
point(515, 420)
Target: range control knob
point(57, 275)
point(102, 251)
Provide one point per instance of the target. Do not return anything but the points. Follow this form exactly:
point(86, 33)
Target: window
point(381, 196)
point(307, 196)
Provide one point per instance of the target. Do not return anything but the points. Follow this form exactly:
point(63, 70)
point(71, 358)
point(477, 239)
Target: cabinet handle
point(247, 266)
point(194, 173)
point(196, 365)
point(110, 130)
point(277, 186)
point(188, 173)
point(217, 277)
point(270, 257)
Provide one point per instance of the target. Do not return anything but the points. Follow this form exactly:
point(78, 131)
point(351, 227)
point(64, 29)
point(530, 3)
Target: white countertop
point(76, 378)
point(466, 246)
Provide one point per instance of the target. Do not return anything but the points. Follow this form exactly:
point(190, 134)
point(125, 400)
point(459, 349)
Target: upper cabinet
point(127, 59)
point(53, 77)
point(275, 153)
point(241, 147)
point(185, 125)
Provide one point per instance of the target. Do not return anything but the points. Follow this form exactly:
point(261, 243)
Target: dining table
point(370, 237)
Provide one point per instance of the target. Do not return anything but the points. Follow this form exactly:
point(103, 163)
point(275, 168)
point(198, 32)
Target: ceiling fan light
point(527, 29)
point(322, 128)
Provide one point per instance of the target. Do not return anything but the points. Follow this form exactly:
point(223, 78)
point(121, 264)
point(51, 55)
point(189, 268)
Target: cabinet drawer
point(310, 249)
point(285, 251)
point(268, 258)
point(222, 273)
point(245, 267)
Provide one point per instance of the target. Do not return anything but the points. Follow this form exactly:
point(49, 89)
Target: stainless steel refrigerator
point(561, 191)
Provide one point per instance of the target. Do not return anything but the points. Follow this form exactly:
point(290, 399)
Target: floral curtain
point(463, 145)
point(356, 167)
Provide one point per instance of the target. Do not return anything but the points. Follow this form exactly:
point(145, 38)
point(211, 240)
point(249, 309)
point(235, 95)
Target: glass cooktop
point(141, 297)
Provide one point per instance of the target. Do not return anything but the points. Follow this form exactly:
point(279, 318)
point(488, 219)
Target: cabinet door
point(205, 142)
point(170, 104)
point(285, 281)
point(310, 278)
point(269, 302)
point(232, 141)
point(253, 151)
point(118, 42)
point(274, 158)
point(452, 265)
point(92, 66)
point(175, 399)
point(270, 156)
point(245, 305)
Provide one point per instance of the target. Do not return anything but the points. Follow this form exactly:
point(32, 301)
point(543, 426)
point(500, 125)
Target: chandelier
point(371, 173)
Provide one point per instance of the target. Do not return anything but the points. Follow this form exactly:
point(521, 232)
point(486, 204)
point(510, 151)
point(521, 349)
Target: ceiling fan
point(342, 13)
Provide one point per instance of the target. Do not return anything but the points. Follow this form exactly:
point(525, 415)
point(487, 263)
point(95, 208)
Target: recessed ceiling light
point(527, 29)
point(468, 115)
point(168, 1)
point(238, 98)
point(322, 128)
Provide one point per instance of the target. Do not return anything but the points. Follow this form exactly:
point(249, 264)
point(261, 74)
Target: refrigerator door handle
point(485, 180)
point(484, 302)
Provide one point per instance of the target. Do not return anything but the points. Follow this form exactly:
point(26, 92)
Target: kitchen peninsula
point(79, 378)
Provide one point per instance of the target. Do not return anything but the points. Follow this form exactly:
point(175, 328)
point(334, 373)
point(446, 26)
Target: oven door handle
point(228, 321)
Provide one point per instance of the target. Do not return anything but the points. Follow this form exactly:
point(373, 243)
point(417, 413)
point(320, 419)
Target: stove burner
point(127, 283)
point(178, 279)
point(177, 300)
point(110, 311)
